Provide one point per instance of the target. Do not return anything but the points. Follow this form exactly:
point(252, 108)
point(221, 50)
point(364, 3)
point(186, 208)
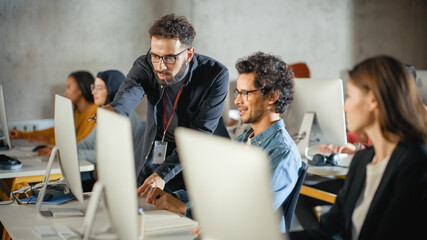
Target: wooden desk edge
point(318, 194)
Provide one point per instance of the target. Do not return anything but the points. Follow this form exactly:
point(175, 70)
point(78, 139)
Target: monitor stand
point(53, 212)
point(303, 138)
point(96, 198)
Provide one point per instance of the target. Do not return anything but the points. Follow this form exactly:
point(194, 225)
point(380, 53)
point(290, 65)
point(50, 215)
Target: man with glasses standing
point(183, 88)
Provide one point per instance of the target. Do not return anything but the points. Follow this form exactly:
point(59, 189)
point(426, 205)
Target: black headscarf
point(113, 79)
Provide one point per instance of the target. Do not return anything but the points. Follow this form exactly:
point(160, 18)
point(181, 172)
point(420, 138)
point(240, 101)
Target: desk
point(33, 170)
point(323, 171)
point(20, 219)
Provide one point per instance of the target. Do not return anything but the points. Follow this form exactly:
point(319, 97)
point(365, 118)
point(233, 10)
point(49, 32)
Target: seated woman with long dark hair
point(385, 192)
point(77, 89)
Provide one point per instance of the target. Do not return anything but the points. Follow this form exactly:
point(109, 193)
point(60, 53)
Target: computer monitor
point(228, 204)
point(316, 115)
point(66, 151)
point(5, 139)
point(422, 84)
point(116, 184)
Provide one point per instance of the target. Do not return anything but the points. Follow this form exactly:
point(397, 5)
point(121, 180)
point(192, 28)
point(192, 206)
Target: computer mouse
point(9, 163)
point(38, 147)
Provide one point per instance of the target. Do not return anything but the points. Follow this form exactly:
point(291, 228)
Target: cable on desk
point(7, 202)
point(23, 190)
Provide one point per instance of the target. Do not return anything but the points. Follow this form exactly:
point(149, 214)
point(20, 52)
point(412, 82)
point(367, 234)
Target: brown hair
point(172, 26)
point(402, 113)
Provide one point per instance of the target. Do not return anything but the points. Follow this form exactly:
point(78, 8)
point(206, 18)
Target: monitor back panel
point(229, 186)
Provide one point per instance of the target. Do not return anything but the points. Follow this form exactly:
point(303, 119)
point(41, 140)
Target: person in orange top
point(78, 91)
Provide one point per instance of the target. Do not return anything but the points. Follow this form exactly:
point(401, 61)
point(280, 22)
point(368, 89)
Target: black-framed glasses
point(244, 93)
point(168, 59)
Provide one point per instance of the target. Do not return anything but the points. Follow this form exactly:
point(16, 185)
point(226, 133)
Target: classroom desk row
point(19, 221)
point(32, 170)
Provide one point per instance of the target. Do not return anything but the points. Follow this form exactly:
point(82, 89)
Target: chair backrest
point(290, 204)
point(300, 70)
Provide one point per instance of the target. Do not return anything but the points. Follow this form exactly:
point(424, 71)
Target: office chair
point(300, 70)
point(290, 204)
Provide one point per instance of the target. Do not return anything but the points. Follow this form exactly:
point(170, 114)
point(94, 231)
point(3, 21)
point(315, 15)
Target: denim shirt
point(285, 161)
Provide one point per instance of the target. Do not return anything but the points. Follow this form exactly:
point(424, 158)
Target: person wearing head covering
point(77, 89)
point(103, 90)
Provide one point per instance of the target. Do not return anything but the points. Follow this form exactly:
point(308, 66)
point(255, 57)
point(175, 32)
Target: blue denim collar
point(266, 134)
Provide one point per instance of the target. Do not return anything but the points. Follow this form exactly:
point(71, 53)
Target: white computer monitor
point(316, 115)
point(66, 150)
point(422, 84)
point(228, 204)
point(3, 121)
point(116, 184)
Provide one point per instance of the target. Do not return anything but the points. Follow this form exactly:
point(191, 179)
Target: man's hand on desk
point(151, 182)
point(164, 200)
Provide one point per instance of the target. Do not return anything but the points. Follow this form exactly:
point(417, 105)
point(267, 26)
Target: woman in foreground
point(385, 192)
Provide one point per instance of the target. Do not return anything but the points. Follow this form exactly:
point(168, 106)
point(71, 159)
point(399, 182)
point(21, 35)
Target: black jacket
point(200, 106)
point(399, 207)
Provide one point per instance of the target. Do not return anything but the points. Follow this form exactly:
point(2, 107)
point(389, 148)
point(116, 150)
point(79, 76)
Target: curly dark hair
point(271, 73)
point(172, 26)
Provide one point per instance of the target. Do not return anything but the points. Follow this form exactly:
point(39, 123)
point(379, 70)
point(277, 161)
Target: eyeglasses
point(97, 88)
point(244, 94)
point(168, 59)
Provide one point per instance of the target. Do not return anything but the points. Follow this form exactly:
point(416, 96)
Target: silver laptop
point(229, 186)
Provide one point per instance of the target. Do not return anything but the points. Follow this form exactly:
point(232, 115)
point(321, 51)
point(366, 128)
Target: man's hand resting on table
point(154, 180)
point(164, 200)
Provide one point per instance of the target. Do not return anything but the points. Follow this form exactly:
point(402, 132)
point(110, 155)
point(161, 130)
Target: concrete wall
point(41, 42)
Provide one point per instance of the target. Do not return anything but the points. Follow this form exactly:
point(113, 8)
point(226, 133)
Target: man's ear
point(274, 96)
point(190, 54)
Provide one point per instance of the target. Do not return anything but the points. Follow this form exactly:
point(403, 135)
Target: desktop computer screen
point(422, 84)
point(5, 139)
point(248, 212)
point(66, 150)
point(116, 185)
point(323, 100)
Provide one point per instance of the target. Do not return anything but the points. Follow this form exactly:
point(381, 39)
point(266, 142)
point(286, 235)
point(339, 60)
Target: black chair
point(291, 202)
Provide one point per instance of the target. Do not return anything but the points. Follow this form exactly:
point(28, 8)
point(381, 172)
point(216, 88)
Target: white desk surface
point(326, 170)
point(33, 165)
point(20, 219)
point(345, 160)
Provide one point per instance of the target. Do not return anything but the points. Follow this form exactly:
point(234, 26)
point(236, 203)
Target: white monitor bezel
point(3, 118)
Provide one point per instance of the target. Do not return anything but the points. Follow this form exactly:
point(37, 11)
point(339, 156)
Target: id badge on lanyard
point(160, 147)
point(159, 152)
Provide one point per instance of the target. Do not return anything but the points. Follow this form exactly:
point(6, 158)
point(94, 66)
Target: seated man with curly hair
point(264, 91)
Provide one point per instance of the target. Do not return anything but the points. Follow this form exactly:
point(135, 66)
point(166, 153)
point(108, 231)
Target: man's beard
point(165, 82)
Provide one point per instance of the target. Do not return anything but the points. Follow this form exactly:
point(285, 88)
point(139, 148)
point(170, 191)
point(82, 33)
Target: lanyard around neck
point(166, 124)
